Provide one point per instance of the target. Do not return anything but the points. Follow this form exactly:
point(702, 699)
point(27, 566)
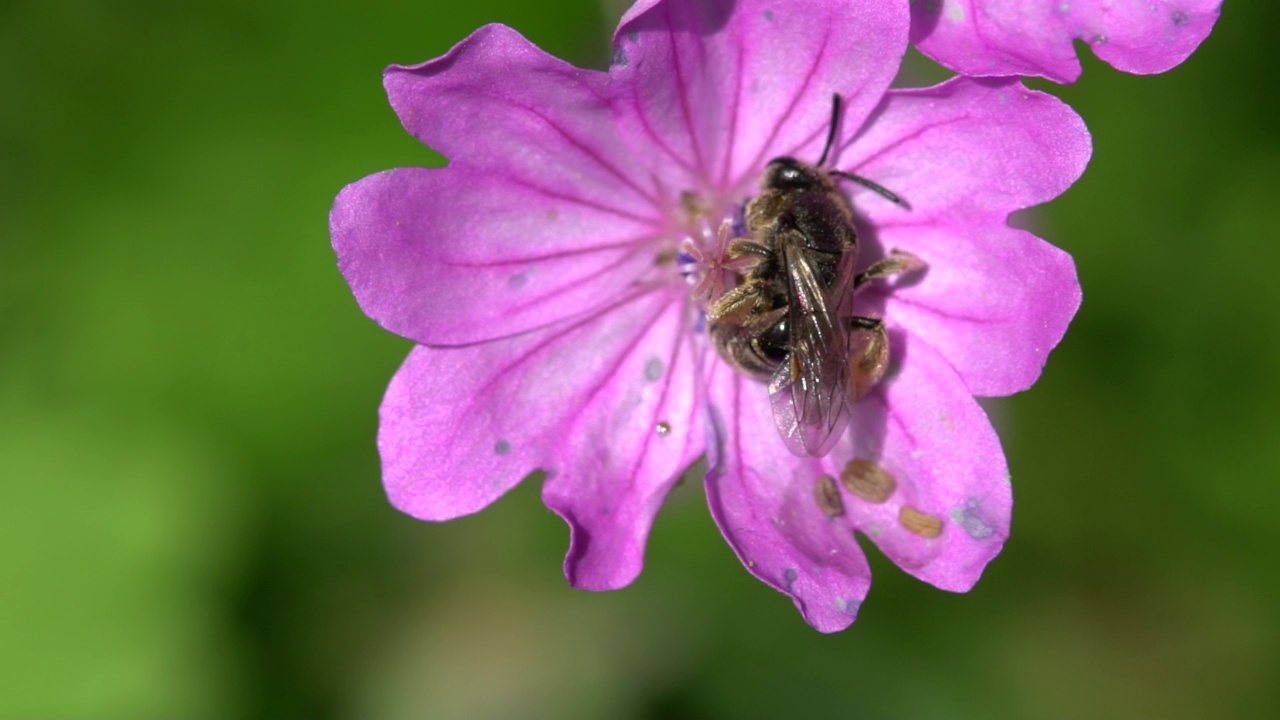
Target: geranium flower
point(992, 38)
point(546, 275)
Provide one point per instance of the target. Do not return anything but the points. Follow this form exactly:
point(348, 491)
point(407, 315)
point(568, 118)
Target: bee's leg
point(749, 305)
point(897, 263)
point(745, 248)
point(868, 353)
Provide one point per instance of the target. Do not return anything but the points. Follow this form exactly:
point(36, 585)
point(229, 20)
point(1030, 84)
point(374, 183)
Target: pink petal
point(581, 399)
point(711, 90)
point(1021, 37)
point(926, 430)
point(993, 302)
point(625, 451)
point(964, 155)
point(496, 101)
point(455, 255)
point(537, 217)
point(762, 498)
point(922, 426)
point(966, 150)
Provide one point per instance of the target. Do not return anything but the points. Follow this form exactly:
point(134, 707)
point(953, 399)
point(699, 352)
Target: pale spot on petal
point(653, 369)
point(968, 518)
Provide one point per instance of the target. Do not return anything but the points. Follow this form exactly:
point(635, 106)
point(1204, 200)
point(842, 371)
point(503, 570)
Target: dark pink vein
point(733, 120)
point(570, 286)
point(657, 139)
point(682, 93)
point(582, 201)
point(916, 133)
point(557, 255)
point(668, 376)
point(505, 372)
point(795, 101)
point(585, 149)
point(958, 317)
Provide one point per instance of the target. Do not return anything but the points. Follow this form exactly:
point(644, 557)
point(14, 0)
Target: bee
point(789, 321)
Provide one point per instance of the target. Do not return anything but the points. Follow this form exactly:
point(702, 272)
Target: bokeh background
point(191, 519)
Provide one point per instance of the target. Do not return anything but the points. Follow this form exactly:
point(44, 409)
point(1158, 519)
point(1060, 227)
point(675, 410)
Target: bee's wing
point(809, 392)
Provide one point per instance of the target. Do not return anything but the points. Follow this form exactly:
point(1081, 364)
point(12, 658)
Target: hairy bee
point(789, 321)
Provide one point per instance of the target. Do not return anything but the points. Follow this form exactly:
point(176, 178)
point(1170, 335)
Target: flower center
point(702, 258)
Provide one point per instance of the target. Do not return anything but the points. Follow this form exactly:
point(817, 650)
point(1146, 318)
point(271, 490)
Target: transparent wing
point(809, 393)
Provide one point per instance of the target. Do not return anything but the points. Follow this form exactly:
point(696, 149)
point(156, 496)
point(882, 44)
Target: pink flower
point(543, 273)
point(986, 38)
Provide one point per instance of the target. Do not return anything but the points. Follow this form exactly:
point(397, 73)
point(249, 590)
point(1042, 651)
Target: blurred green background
point(191, 519)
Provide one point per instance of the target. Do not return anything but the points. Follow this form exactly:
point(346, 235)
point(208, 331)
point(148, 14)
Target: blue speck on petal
point(848, 607)
point(967, 517)
point(653, 369)
point(790, 576)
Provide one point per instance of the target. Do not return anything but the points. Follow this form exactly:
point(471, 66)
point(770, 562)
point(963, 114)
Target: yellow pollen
point(918, 523)
point(868, 481)
point(828, 496)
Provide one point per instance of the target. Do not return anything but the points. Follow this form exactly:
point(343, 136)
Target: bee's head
point(786, 173)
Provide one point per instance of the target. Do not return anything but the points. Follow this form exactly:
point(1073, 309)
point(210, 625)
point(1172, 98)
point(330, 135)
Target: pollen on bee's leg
point(899, 262)
point(828, 496)
point(869, 354)
point(919, 523)
point(868, 481)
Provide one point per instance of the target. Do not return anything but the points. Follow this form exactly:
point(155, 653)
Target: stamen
point(715, 266)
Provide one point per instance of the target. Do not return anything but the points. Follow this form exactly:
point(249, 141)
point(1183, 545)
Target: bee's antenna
point(831, 129)
point(874, 187)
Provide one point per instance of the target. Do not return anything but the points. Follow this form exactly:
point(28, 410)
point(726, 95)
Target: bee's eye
point(787, 174)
